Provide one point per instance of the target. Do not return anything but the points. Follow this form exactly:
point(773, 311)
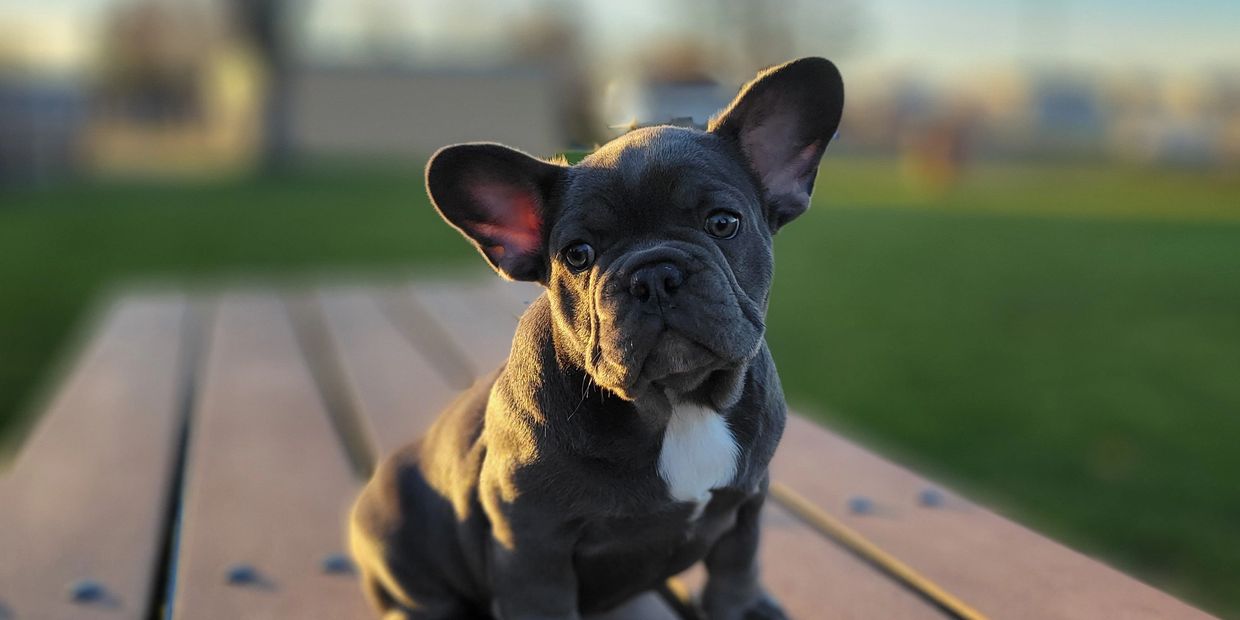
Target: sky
point(953, 34)
point(940, 37)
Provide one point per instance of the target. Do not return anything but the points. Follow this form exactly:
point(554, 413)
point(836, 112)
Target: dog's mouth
point(677, 362)
point(673, 362)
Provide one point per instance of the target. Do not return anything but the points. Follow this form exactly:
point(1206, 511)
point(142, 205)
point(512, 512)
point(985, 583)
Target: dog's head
point(656, 249)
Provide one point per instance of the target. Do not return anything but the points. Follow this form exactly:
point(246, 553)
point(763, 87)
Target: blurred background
point(1021, 272)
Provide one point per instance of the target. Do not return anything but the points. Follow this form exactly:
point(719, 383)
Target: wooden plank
point(393, 388)
point(88, 496)
point(414, 322)
point(481, 316)
point(268, 484)
point(397, 393)
point(807, 572)
point(524, 293)
point(813, 577)
point(994, 565)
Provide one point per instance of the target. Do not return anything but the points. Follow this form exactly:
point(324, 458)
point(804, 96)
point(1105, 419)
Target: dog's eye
point(722, 224)
point(579, 256)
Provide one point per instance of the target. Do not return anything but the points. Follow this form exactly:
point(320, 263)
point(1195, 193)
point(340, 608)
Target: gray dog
point(628, 434)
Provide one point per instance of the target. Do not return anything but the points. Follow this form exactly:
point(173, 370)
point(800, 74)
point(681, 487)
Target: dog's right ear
point(499, 198)
point(782, 122)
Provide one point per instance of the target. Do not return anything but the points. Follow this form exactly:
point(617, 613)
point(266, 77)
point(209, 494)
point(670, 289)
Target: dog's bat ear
point(497, 197)
point(782, 121)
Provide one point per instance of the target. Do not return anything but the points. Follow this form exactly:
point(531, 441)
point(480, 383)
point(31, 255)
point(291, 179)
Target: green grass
point(1061, 341)
point(62, 247)
point(1082, 375)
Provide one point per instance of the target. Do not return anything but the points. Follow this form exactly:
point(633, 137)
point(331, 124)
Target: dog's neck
point(699, 453)
point(687, 436)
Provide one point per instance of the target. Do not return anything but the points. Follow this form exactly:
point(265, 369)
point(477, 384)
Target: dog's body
point(628, 434)
point(623, 532)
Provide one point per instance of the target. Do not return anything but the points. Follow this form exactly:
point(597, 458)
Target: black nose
point(655, 281)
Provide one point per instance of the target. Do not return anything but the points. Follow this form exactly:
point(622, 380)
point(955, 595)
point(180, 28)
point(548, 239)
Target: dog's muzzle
point(669, 315)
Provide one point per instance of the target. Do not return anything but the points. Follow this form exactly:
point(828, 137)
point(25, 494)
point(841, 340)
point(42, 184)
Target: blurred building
point(175, 93)
point(1067, 118)
point(159, 87)
point(40, 123)
point(369, 111)
point(43, 101)
point(374, 92)
point(672, 83)
point(1147, 118)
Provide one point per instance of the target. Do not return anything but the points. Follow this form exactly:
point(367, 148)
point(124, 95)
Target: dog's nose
point(655, 281)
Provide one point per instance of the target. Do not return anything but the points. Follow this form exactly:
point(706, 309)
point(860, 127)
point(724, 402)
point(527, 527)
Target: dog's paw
point(761, 607)
point(765, 608)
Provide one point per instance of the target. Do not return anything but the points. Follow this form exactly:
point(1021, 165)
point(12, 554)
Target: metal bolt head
point(337, 564)
point(861, 505)
point(930, 498)
point(87, 591)
point(242, 574)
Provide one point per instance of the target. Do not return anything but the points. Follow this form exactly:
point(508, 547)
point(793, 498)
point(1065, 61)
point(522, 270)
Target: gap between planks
point(198, 316)
point(106, 449)
point(266, 476)
point(328, 375)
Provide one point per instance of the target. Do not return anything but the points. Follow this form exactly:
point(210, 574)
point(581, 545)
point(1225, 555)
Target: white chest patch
point(699, 454)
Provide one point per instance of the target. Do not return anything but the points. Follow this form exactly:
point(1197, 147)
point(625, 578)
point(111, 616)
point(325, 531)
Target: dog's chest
point(698, 454)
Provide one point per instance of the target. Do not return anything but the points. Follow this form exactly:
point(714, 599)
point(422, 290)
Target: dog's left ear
point(499, 198)
point(782, 122)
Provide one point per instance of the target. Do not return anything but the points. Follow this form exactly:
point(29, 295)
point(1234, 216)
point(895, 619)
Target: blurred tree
point(266, 25)
point(152, 57)
point(551, 40)
point(764, 34)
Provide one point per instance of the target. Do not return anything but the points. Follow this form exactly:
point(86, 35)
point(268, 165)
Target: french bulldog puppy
point(629, 432)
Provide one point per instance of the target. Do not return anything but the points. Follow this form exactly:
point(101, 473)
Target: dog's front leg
point(534, 579)
point(733, 590)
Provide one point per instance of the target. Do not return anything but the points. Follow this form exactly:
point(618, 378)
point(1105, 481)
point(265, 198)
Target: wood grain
point(481, 316)
point(268, 484)
point(815, 578)
point(996, 566)
point(88, 496)
point(394, 389)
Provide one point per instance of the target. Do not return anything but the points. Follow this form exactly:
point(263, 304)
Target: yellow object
point(832, 528)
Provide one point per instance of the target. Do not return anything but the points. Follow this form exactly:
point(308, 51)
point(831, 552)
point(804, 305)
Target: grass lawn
point(1063, 342)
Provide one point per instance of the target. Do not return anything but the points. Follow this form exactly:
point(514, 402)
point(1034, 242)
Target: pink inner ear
point(790, 173)
point(512, 217)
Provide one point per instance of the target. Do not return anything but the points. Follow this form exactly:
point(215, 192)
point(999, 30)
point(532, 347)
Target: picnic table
point(201, 455)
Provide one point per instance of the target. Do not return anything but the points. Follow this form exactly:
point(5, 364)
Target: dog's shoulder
point(379, 509)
